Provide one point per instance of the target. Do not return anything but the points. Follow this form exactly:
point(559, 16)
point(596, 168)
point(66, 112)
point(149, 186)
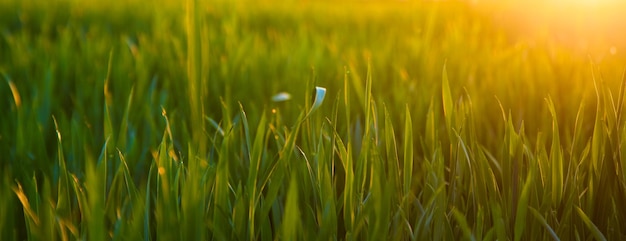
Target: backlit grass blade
point(239, 218)
point(620, 100)
point(358, 90)
point(167, 186)
point(381, 192)
point(522, 207)
point(14, 91)
point(498, 219)
point(291, 221)
point(598, 139)
point(328, 199)
point(28, 210)
point(126, 197)
point(108, 103)
point(122, 138)
point(95, 186)
point(195, 84)
point(543, 222)
point(346, 97)
point(446, 95)
point(578, 124)
point(349, 194)
point(556, 157)
point(462, 221)
point(222, 228)
point(367, 105)
point(256, 157)
point(147, 204)
point(431, 138)
point(592, 227)
point(393, 161)
point(408, 152)
point(215, 125)
point(63, 205)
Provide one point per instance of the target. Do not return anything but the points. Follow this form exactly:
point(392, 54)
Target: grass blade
point(522, 207)
point(592, 227)
point(543, 222)
point(408, 152)
point(446, 95)
point(462, 221)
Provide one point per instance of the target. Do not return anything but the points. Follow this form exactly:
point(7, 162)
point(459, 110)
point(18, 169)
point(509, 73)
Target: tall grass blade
point(196, 85)
point(408, 152)
point(543, 222)
point(291, 220)
point(256, 158)
point(17, 99)
point(447, 99)
point(462, 221)
point(108, 103)
point(522, 207)
point(592, 227)
point(556, 157)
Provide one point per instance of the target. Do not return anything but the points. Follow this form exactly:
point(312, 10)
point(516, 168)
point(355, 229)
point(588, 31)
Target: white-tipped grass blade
point(280, 97)
point(320, 93)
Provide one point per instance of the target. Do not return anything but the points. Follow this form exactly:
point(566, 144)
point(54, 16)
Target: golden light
point(577, 23)
point(583, 3)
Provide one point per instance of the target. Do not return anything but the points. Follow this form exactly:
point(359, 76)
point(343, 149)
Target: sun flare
point(571, 22)
point(585, 3)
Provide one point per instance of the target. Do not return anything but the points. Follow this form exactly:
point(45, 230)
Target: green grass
point(150, 120)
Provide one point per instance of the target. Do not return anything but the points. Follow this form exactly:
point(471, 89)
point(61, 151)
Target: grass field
point(309, 120)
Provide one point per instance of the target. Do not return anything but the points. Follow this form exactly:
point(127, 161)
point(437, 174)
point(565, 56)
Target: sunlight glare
point(569, 22)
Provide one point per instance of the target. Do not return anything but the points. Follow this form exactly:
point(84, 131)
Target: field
point(310, 120)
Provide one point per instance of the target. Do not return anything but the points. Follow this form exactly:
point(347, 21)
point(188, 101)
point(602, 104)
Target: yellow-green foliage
point(409, 120)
